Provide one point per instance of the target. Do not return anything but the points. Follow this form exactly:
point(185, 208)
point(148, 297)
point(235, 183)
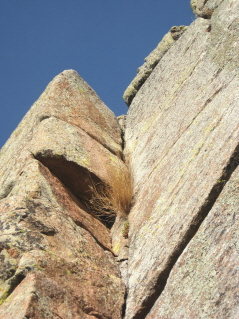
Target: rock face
point(204, 282)
point(176, 255)
point(182, 136)
point(56, 259)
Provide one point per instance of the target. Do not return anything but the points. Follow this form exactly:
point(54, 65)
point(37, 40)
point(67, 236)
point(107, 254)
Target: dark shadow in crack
point(78, 180)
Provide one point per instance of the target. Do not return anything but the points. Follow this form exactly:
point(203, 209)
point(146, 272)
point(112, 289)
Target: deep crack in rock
point(78, 180)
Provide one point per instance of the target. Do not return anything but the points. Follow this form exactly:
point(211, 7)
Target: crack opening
point(199, 218)
point(15, 281)
point(123, 311)
point(78, 223)
point(123, 144)
point(79, 181)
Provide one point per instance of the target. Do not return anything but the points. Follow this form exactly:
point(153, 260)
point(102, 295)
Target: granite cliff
point(173, 252)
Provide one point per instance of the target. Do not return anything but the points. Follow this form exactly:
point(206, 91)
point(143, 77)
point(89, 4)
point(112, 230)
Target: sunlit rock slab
point(204, 282)
point(181, 134)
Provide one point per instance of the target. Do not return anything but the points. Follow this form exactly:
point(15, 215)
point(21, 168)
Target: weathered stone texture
point(122, 122)
point(204, 283)
point(205, 8)
point(56, 258)
point(67, 98)
point(181, 137)
point(177, 252)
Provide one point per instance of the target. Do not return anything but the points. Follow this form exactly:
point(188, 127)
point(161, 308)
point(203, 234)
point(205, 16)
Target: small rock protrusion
point(204, 8)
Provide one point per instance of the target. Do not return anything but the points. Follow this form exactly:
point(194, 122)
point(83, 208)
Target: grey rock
point(205, 8)
point(182, 134)
point(204, 282)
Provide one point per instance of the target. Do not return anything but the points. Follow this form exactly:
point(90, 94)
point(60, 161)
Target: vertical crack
point(124, 304)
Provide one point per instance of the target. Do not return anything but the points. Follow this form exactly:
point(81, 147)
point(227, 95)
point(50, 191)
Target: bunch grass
point(114, 198)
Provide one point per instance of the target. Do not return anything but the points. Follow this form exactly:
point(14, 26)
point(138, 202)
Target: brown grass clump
point(108, 201)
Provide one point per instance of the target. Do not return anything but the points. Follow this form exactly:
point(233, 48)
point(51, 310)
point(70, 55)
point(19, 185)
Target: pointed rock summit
point(56, 255)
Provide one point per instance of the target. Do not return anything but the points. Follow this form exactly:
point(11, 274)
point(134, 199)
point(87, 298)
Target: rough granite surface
point(182, 135)
point(204, 282)
point(205, 8)
point(56, 257)
point(176, 255)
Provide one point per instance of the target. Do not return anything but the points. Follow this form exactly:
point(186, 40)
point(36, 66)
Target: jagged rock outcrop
point(182, 140)
point(205, 8)
point(176, 255)
point(56, 256)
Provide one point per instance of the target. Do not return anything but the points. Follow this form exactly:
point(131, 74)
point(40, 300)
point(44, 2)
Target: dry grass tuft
point(107, 201)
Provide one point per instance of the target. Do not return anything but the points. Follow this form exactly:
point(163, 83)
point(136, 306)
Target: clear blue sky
point(104, 40)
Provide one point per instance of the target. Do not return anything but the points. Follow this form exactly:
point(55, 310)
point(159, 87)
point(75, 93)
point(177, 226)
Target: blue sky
point(104, 40)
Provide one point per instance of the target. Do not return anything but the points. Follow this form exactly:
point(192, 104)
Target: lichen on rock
point(205, 8)
point(56, 258)
point(182, 133)
point(172, 251)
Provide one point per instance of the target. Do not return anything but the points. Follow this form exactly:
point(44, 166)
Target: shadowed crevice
point(12, 284)
point(124, 305)
point(196, 223)
point(15, 281)
point(78, 180)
